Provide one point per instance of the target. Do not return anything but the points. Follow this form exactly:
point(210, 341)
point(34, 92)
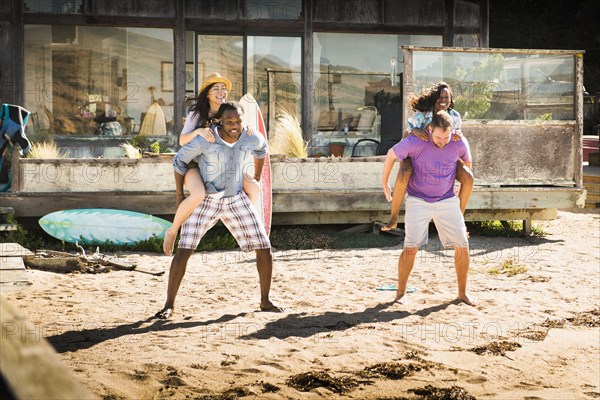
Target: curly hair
point(229, 105)
point(427, 100)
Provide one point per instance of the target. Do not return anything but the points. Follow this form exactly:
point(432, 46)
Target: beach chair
point(12, 132)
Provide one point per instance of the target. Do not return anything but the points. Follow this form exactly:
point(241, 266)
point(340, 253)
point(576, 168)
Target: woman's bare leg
point(252, 190)
point(193, 181)
point(404, 173)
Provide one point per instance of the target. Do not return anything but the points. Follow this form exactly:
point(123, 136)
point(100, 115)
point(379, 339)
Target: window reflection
point(273, 69)
point(274, 74)
point(354, 95)
point(97, 75)
point(223, 54)
point(496, 86)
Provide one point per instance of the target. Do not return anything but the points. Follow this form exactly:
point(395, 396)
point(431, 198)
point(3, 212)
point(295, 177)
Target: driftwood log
point(62, 262)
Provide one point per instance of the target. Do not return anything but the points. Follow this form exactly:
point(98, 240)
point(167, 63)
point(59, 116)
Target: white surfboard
point(97, 225)
point(253, 117)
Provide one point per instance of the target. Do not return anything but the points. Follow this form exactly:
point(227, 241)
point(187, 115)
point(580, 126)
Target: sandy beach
point(535, 334)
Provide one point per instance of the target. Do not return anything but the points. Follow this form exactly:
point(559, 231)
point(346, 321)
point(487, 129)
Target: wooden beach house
point(346, 68)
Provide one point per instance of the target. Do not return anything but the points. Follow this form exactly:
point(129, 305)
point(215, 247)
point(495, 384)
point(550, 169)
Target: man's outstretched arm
point(388, 164)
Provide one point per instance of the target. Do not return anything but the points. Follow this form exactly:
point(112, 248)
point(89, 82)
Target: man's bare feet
point(270, 307)
point(169, 241)
point(165, 313)
point(389, 226)
point(400, 298)
point(468, 300)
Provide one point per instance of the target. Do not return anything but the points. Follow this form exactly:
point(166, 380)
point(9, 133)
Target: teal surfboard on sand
point(90, 225)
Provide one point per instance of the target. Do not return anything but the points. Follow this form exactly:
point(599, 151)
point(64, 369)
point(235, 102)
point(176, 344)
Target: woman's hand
point(250, 130)
point(456, 136)
point(206, 133)
point(421, 134)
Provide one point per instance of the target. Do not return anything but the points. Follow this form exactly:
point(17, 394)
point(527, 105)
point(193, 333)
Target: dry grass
point(45, 150)
point(286, 136)
point(131, 151)
point(509, 267)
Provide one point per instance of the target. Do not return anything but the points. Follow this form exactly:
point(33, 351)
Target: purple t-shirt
point(434, 168)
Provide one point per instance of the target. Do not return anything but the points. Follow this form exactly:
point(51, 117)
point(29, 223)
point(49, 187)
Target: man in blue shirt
point(222, 166)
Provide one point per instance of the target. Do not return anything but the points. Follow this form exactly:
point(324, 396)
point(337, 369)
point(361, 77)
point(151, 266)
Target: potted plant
point(337, 148)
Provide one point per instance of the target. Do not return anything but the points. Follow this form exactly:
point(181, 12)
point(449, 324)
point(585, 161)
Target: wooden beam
point(307, 72)
point(450, 8)
point(578, 156)
point(298, 201)
point(30, 367)
point(484, 23)
point(179, 68)
point(497, 50)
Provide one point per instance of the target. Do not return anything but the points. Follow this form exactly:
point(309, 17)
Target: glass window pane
point(280, 59)
point(353, 84)
point(501, 86)
point(106, 74)
point(225, 55)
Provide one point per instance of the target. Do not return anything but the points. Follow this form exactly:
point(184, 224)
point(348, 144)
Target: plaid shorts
point(237, 214)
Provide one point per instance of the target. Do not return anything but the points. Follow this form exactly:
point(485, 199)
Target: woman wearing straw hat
point(213, 93)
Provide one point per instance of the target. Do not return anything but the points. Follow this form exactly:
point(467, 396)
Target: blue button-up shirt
point(222, 165)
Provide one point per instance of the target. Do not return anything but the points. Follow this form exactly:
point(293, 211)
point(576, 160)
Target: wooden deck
point(12, 269)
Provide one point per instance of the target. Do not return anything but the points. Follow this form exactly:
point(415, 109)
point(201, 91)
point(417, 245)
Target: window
point(273, 69)
point(497, 86)
point(274, 75)
point(78, 77)
point(357, 85)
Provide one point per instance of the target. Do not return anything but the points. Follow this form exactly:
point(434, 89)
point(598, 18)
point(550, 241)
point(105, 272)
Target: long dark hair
point(201, 107)
point(427, 100)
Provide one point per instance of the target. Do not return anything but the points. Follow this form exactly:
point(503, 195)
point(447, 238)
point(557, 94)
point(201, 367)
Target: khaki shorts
point(446, 215)
point(237, 214)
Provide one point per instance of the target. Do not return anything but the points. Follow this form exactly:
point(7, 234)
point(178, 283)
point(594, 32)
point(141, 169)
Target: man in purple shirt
point(430, 195)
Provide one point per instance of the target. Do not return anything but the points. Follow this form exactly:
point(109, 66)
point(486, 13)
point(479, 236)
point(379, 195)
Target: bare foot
point(389, 226)
point(270, 307)
point(169, 241)
point(400, 298)
point(165, 313)
point(468, 300)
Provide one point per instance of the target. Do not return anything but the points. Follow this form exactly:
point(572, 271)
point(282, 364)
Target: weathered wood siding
point(95, 175)
point(415, 12)
point(353, 11)
point(466, 14)
point(134, 8)
point(523, 152)
point(213, 9)
point(303, 186)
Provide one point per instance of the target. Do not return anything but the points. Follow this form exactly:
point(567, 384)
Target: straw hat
point(215, 77)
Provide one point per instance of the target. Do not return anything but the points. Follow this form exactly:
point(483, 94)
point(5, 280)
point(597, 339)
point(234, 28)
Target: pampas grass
point(45, 150)
point(286, 136)
point(131, 151)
